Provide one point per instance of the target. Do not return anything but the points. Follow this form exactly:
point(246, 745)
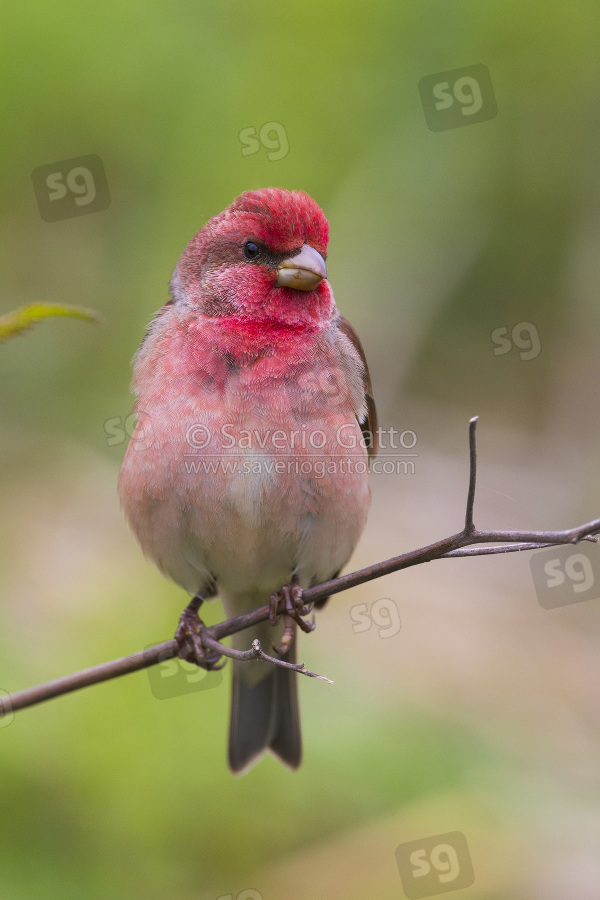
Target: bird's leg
point(294, 610)
point(189, 637)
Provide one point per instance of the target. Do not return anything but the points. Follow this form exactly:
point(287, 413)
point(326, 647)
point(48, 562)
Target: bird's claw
point(188, 638)
point(294, 609)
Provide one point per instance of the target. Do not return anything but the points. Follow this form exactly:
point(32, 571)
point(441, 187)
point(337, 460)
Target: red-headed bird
point(257, 397)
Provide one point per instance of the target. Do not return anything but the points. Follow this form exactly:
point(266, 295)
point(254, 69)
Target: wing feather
point(368, 425)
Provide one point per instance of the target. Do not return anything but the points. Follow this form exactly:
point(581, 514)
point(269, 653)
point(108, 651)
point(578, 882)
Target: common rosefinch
point(256, 478)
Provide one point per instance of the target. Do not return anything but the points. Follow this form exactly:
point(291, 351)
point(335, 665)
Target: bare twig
point(256, 652)
point(469, 525)
point(461, 544)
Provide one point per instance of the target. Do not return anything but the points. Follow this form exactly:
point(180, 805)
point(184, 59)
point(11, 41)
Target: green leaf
point(20, 319)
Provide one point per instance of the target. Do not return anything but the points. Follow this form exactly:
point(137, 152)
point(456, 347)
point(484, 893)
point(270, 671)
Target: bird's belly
point(275, 514)
point(245, 505)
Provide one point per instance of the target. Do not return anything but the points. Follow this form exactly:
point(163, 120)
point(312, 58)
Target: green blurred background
point(481, 714)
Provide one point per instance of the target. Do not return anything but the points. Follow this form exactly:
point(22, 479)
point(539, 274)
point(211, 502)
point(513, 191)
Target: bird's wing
point(368, 425)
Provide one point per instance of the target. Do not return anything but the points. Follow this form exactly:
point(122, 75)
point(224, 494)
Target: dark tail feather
point(319, 604)
point(264, 714)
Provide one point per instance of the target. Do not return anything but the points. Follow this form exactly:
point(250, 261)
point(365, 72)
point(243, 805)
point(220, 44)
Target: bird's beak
point(303, 271)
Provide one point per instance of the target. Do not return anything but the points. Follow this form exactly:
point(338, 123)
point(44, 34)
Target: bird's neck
point(243, 340)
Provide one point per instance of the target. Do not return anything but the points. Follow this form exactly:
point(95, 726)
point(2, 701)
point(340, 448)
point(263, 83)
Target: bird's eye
point(251, 250)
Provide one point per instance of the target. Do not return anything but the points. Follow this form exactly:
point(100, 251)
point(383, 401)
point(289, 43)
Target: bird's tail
point(264, 706)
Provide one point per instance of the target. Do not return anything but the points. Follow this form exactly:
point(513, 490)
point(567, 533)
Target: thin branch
point(461, 544)
point(469, 524)
point(256, 652)
point(502, 548)
point(93, 675)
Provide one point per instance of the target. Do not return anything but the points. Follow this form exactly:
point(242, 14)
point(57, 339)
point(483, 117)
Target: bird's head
point(261, 260)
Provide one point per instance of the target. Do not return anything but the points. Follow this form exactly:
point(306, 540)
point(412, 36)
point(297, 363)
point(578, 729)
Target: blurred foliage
point(19, 320)
point(437, 241)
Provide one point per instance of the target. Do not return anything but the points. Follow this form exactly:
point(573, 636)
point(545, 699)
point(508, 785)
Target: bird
point(255, 483)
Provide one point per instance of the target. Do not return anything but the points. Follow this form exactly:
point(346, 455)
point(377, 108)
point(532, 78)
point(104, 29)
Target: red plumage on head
point(281, 219)
point(284, 220)
point(213, 274)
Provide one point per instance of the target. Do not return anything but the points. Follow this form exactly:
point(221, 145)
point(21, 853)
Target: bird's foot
point(294, 610)
point(189, 638)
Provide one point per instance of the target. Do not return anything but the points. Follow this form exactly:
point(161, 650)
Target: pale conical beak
point(303, 271)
